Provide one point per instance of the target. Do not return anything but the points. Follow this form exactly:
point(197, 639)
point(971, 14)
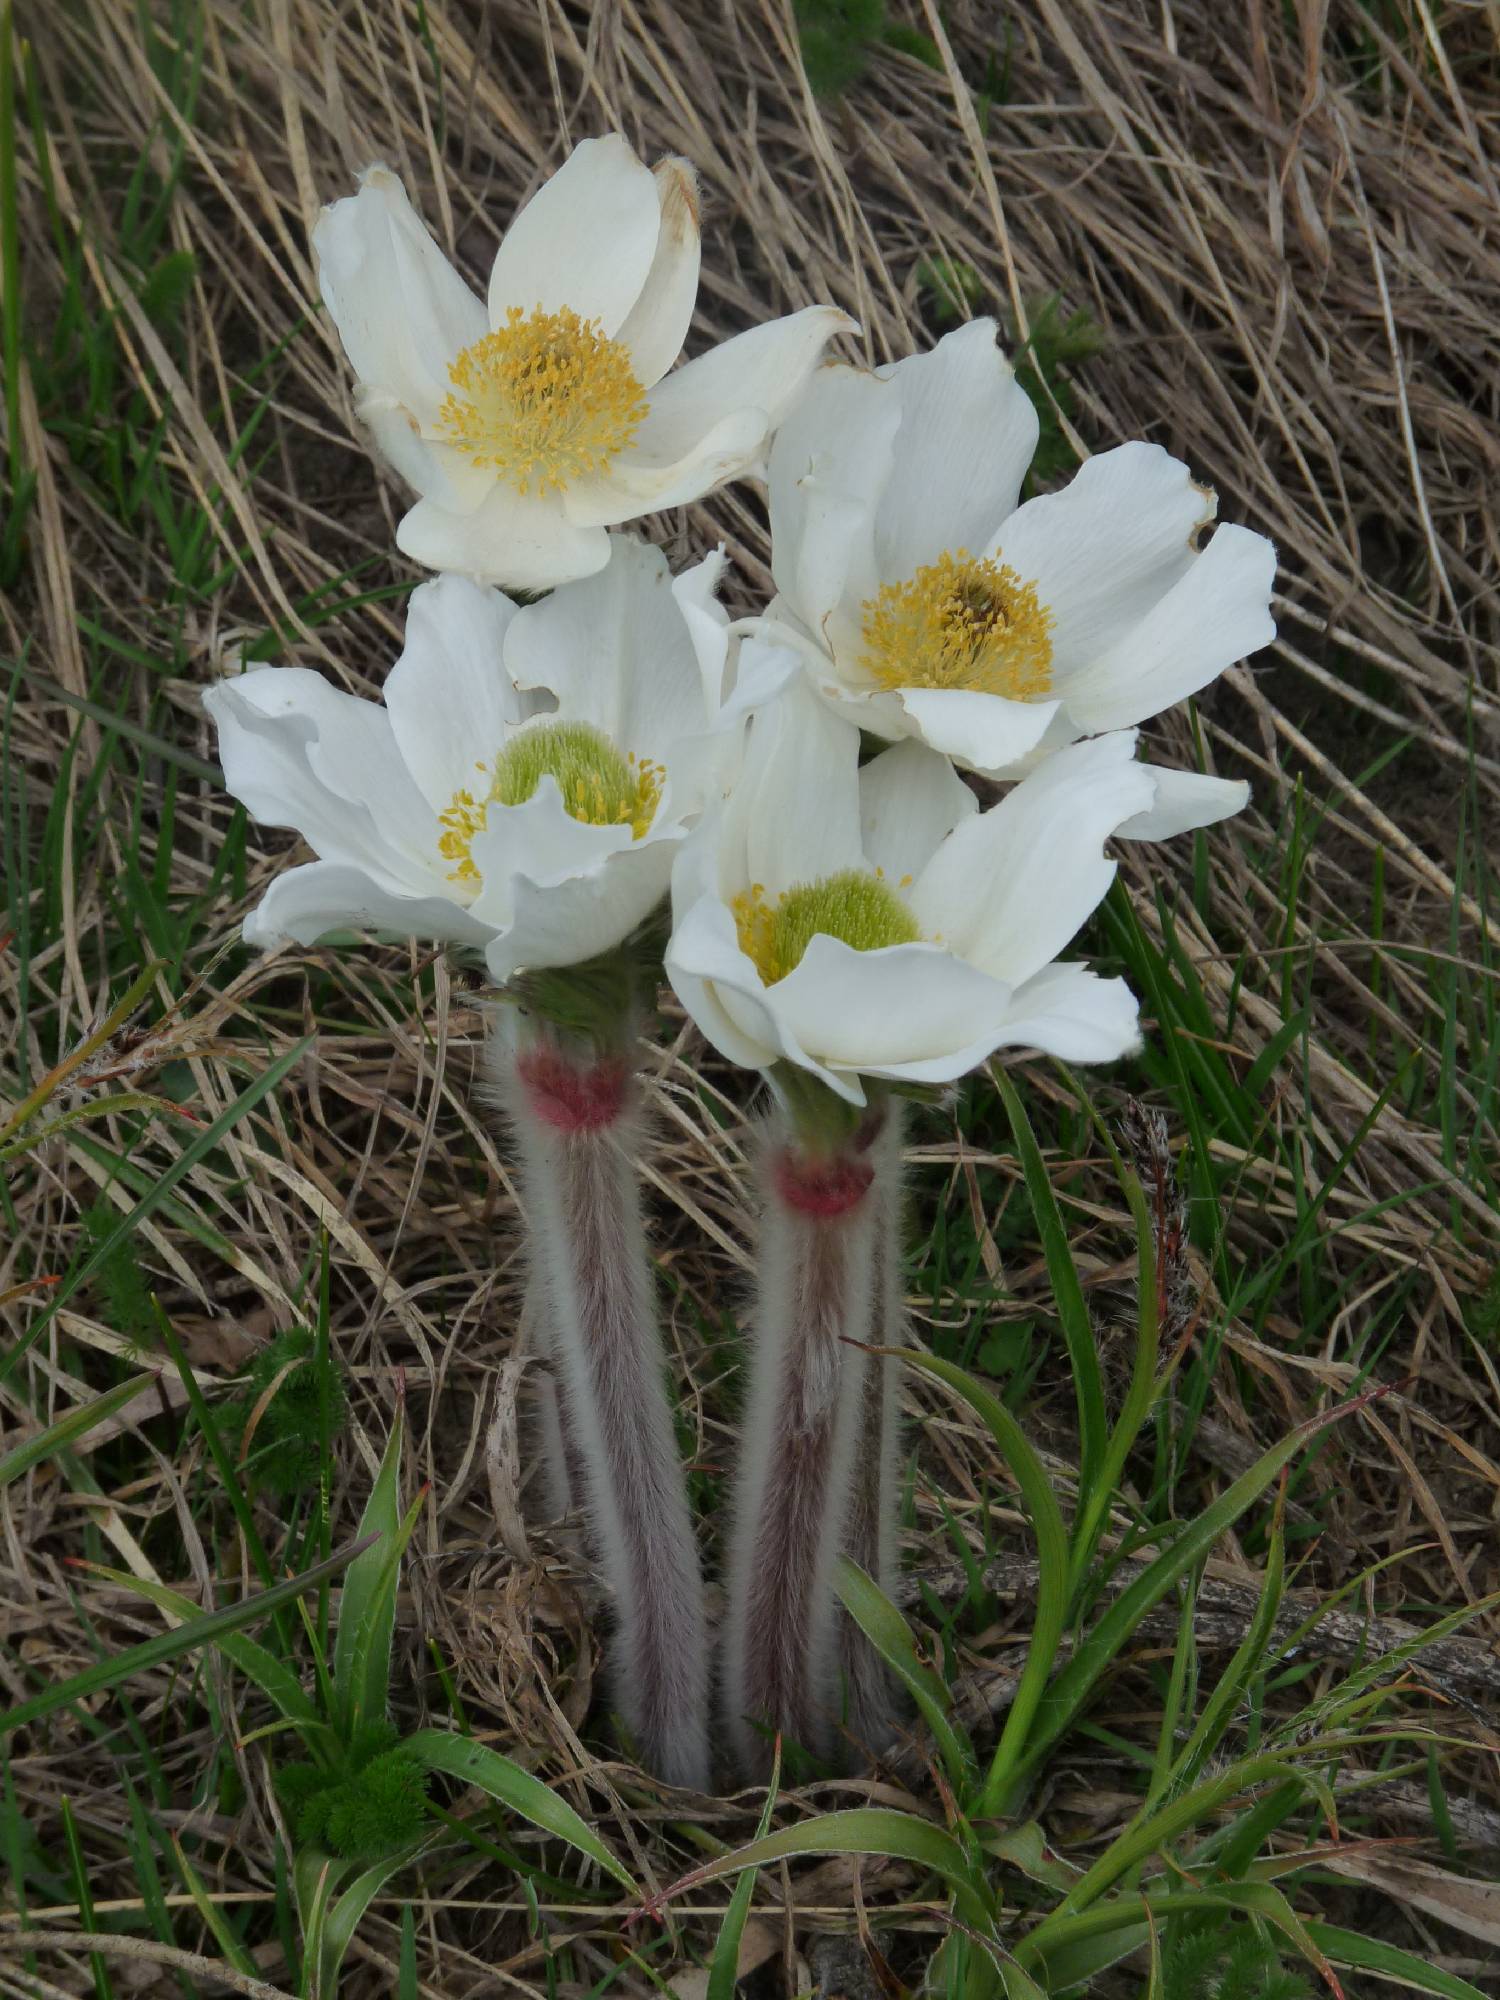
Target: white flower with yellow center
point(874, 923)
point(927, 603)
point(523, 787)
point(530, 423)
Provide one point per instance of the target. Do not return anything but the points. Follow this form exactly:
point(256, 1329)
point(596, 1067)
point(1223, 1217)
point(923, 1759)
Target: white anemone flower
point(928, 603)
point(523, 787)
point(531, 421)
point(875, 923)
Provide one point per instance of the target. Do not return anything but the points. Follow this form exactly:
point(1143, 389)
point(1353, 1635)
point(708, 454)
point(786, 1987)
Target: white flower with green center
point(523, 787)
point(875, 923)
point(927, 603)
point(531, 422)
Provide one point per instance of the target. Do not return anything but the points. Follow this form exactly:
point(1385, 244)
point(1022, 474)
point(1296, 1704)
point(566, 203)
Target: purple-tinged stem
point(562, 1467)
point(870, 1534)
point(578, 1125)
point(796, 1465)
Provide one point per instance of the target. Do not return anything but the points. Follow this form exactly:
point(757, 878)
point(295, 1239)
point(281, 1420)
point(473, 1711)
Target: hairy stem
point(796, 1470)
point(579, 1130)
point(562, 1468)
point(870, 1535)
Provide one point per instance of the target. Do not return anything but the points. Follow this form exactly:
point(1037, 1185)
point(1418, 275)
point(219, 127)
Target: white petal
point(1072, 1013)
point(437, 471)
point(828, 467)
point(709, 419)
point(450, 700)
point(1218, 613)
point(616, 651)
point(866, 1010)
point(910, 799)
point(302, 754)
point(1104, 549)
point(707, 969)
point(794, 811)
point(1185, 800)
point(541, 840)
point(658, 322)
point(401, 309)
point(1009, 889)
point(761, 671)
point(307, 903)
point(642, 482)
point(564, 923)
point(696, 591)
point(983, 731)
point(522, 541)
point(586, 238)
point(968, 433)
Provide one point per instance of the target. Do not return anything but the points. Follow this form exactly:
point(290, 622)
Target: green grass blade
point(367, 1607)
point(476, 1764)
point(724, 1971)
point(257, 1663)
point(1104, 1641)
point(1053, 1588)
point(205, 1630)
point(68, 1429)
point(1363, 1954)
point(892, 1637)
point(1219, 1709)
point(864, 1830)
point(1072, 1307)
point(154, 1196)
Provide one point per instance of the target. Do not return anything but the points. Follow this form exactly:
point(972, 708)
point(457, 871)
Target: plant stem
point(870, 1536)
point(577, 1120)
point(562, 1466)
point(802, 1425)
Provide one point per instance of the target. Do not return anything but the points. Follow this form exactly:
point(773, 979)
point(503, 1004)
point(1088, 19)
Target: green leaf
point(891, 1636)
point(340, 1918)
point(367, 1605)
point(1219, 1709)
point(205, 1630)
point(724, 1972)
point(1053, 1587)
point(1067, 1291)
point(1101, 1646)
point(270, 1674)
point(475, 1764)
point(865, 1830)
point(73, 1425)
point(1364, 1954)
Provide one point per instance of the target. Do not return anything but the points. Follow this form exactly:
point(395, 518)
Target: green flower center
point(600, 785)
point(861, 909)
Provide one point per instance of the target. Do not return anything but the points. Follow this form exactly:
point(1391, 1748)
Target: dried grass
point(1287, 230)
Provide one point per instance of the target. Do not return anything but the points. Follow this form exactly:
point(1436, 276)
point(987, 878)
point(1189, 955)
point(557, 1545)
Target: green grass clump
point(1237, 1964)
point(1054, 347)
point(373, 1805)
point(838, 38)
point(308, 1404)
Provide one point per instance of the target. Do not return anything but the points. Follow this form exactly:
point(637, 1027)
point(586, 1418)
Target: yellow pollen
point(860, 909)
point(546, 399)
point(598, 784)
point(960, 622)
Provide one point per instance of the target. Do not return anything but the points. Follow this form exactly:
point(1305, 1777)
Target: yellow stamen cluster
point(546, 399)
point(599, 785)
point(860, 909)
point(960, 622)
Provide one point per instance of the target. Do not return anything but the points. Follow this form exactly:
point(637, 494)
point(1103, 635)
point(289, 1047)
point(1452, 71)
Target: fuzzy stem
point(797, 1455)
point(870, 1536)
point(563, 1479)
point(578, 1123)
